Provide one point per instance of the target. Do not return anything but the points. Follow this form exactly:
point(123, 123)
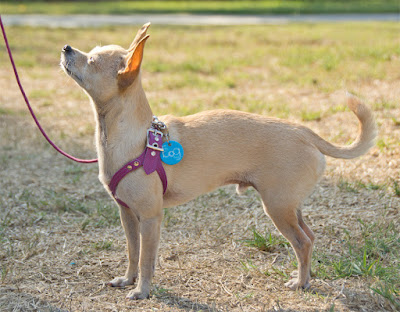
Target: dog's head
point(105, 71)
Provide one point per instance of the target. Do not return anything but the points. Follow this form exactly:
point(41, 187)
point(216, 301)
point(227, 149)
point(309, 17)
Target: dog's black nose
point(67, 48)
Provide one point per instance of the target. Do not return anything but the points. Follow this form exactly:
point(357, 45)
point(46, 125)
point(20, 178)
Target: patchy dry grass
point(60, 235)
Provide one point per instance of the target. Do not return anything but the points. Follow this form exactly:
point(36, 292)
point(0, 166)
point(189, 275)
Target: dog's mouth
point(67, 70)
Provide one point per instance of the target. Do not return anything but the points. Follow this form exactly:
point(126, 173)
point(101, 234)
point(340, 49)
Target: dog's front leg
point(149, 238)
point(130, 223)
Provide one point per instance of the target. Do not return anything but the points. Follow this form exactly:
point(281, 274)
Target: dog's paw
point(121, 282)
point(294, 274)
point(294, 284)
point(138, 295)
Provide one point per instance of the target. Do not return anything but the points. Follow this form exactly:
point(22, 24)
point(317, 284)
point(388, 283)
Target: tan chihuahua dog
point(283, 161)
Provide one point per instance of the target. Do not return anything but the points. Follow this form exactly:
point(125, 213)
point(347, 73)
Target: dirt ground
point(61, 240)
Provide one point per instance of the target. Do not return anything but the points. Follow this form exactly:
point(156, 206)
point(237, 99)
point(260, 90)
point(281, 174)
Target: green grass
point(348, 186)
point(267, 242)
point(385, 105)
point(74, 172)
point(372, 254)
point(247, 265)
point(93, 212)
point(382, 144)
point(311, 115)
point(199, 7)
point(396, 188)
point(389, 291)
point(40, 93)
point(54, 201)
point(11, 112)
point(357, 185)
point(102, 245)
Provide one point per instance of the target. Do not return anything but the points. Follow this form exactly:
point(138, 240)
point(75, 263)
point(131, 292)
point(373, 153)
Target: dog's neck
point(122, 125)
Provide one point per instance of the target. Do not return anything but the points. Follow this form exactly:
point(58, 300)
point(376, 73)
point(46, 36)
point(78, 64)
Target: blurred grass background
point(323, 58)
point(199, 7)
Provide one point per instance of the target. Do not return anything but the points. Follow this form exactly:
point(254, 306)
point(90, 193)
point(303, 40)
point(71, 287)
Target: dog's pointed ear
point(134, 59)
point(139, 36)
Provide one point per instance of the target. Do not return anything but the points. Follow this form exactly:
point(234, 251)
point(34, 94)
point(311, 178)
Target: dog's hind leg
point(310, 235)
point(130, 223)
point(287, 221)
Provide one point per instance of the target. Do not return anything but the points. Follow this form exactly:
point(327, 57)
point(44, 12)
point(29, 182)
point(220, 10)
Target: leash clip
point(157, 124)
point(157, 137)
point(160, 126)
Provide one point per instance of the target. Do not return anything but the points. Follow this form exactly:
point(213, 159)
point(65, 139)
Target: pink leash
point(84, 161)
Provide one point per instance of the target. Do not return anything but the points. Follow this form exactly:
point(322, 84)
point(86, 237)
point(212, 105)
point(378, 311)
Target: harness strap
point(150, 160)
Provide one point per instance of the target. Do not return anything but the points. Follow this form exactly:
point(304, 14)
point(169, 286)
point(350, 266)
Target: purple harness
point(149, 159)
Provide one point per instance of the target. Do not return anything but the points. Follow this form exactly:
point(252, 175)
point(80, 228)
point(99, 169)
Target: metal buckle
point(155, 145)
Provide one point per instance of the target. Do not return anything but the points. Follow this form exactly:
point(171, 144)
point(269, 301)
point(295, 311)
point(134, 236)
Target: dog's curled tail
point(365, 139)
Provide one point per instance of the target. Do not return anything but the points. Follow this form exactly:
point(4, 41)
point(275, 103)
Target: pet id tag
point(173, 152)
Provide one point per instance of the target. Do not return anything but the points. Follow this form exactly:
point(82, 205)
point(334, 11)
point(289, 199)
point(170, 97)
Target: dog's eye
point(91, 60)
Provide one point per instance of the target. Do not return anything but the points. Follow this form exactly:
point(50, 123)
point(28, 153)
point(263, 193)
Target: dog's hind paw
point(138, 295)
point(121, 282)
point(294, 284)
